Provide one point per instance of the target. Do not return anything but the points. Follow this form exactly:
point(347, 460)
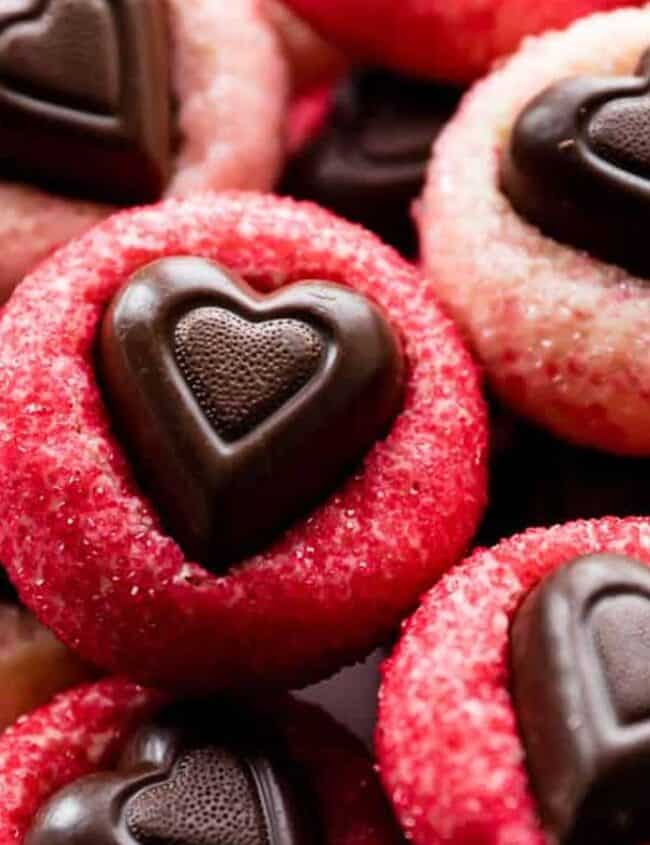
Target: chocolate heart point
point(581, 685)
point(240, 411)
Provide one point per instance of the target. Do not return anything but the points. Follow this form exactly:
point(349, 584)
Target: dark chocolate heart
point(581, 684)
point(578, 166)
point(368, 163)
point(84, 97)
point(184, 781)
point(241, 410)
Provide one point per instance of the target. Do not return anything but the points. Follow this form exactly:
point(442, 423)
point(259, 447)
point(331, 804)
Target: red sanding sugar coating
point(83, 730)
point(450, 755)
point(85, 547)
point(456, 41)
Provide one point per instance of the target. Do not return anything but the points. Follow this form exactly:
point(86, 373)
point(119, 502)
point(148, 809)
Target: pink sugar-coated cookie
point(86, 548)
point(83, 730)
point(456, 42)
point(562, 336)
point(229, 81)
point(449, 751)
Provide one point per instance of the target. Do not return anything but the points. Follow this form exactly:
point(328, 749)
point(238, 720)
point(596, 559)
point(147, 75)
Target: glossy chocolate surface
point(369, 162)
point(198, 775)
point(578, 166)
point(581, 684)
point(240, 410)
point(84, 97)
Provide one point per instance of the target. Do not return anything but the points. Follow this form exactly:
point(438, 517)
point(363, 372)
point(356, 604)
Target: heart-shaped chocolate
point(198, 775)
point(241, 410)
point(581, 684)
point(578, 165)
point(84, 97)
point(369, 162)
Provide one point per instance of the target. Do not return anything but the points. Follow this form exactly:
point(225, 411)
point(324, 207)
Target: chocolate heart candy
point(578, 165)
point(84, 97)
point(199, 775)
point(581, 685)
point(240, 410)
point(369, 162)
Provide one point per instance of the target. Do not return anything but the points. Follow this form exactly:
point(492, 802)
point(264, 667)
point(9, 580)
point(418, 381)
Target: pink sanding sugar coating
point(563, 337)
point(82, 731)
point(85, 547)
point(455, 41)
point(229, 80)
point(449, 752)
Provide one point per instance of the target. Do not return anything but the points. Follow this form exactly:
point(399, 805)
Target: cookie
point(249, 485)
point(185, 772)
point(34, 665)
point(557, 322)
point(454, 42)
point(367, 160)
point(514, 708)
point(104, 104)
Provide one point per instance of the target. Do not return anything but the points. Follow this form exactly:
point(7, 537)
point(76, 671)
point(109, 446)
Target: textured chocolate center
point(209, 799)
point(77, 35)
point(620, 132)
point(621, 626)
point(241, 372)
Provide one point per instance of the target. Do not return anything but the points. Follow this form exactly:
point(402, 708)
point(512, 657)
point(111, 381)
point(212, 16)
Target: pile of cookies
point(324, 339)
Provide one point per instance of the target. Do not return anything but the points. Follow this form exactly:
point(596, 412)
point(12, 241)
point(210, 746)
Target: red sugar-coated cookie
point(559, 331)
point(449, 750)
point(455, 41)
point(86, 548)
point(83, 731)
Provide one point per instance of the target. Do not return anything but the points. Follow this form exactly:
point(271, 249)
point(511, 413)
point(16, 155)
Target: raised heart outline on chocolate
point(224, 498)
point(63, 128)
point(562, 173)
point(587, 741)
point(217, 782)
